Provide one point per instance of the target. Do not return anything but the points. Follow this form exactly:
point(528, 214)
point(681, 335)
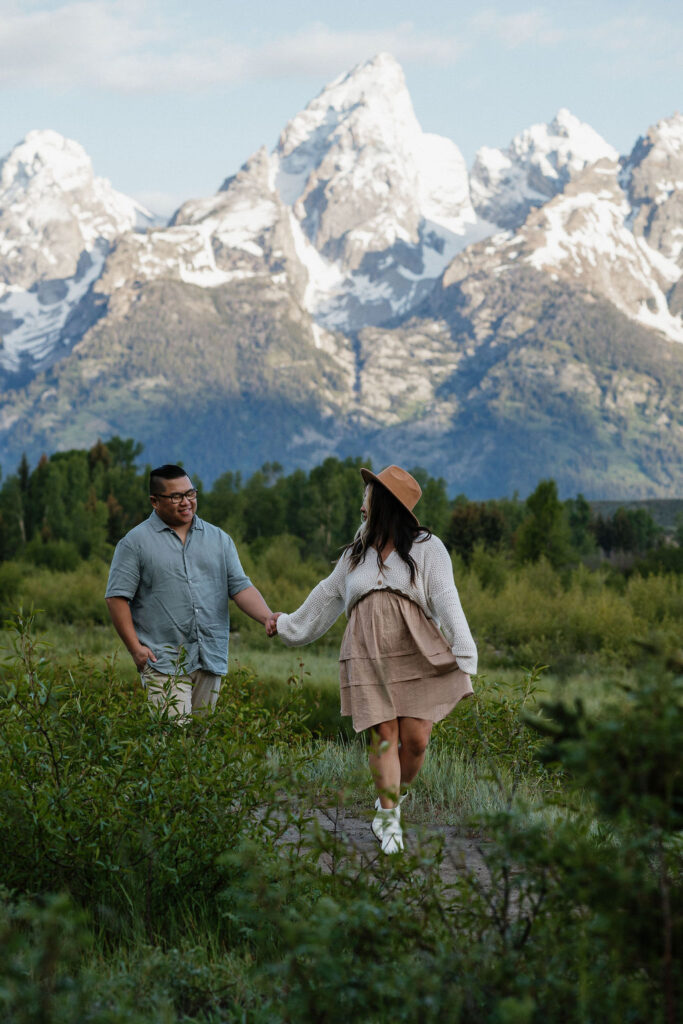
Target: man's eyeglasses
point(178, 496)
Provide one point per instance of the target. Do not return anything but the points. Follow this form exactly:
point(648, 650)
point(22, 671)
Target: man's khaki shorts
point(192, 693)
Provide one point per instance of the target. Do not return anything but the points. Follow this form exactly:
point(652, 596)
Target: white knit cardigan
point(434, 591)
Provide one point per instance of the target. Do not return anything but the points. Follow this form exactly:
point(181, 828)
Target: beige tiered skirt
point(394, 663)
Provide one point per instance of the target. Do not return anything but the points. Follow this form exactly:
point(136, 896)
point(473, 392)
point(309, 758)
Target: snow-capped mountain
point(380, 207)
point(359, 282)
point(652, 178)
point(57, 222)
point(507, 183)
point(356, 204)
point(615, 229)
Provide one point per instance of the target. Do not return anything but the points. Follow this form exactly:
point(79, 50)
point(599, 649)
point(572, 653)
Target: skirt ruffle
point(395, 663)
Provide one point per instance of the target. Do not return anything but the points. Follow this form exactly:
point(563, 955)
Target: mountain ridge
point(358, 280)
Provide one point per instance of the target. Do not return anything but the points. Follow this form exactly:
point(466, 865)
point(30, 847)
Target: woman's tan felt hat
point(402, 485)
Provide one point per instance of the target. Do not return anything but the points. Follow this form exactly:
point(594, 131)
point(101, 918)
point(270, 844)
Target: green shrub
point(541, 615)
point(43, 941)
point(66, 597)
point(11, 576)
point(116, 802)
point(58, 555)
point(195, 835)
point(50, 972)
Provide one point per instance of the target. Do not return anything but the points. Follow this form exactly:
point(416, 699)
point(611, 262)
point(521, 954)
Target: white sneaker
point(386, 828)
point(392, 836)
point(378, 822)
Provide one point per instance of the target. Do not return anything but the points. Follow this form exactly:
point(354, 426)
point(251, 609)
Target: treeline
point(76, 505)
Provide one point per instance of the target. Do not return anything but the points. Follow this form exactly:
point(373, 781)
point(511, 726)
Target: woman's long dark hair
point(388, 520)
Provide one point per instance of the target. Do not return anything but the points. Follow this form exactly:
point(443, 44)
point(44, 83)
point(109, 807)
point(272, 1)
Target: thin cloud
point(318, 49)
point(635, 45)
point(636, 35)
point(128, 47)
point(75, 44)
point(138, 47)
point(518, 29)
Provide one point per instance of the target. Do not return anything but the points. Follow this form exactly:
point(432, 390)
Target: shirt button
point(379, 583)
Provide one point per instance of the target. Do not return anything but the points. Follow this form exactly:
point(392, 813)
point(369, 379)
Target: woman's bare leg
point(413, 734)
point(385, 764)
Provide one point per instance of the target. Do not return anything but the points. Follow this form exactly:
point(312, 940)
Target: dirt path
point(461, 854)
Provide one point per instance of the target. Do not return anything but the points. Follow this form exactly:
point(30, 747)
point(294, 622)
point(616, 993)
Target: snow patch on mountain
point(32, 321)
point(652, 176)
point(584, 234)
point(48, 179)
point(57, 223)
point(538, 163)
point(385, 203)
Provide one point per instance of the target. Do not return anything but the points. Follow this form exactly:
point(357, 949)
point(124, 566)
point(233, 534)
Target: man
point(169, 585)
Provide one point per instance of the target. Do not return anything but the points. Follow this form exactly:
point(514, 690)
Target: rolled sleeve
point(124, 573)
point(237, 578)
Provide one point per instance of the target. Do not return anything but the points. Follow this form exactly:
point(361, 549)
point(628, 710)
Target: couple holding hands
point(407, 652)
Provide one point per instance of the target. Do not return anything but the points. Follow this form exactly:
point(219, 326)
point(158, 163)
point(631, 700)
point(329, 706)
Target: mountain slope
point(354, 290)
point(507, 184)
point(536, 378)
point(57, 222)
point(382, 206)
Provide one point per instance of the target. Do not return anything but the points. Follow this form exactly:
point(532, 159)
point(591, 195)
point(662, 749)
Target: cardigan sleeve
point(444, 604)
point(320, 610)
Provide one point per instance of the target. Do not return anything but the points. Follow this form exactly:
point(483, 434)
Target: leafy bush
point(43, 941)
point(111, 800)
point(541, 615)
point(58, 555)
point(50, 971)
point(70, 596)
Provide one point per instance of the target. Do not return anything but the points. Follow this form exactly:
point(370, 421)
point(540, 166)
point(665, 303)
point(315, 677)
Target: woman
point(398, 674)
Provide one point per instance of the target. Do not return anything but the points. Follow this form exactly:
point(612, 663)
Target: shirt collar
point(159, 525)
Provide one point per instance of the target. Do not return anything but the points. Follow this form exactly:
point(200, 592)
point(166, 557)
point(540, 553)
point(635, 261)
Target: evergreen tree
point(544, 531)
point(471, 524)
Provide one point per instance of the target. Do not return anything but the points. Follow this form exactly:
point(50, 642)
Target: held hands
point(271, 624)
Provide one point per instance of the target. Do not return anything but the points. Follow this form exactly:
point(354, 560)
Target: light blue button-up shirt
point(179, 593)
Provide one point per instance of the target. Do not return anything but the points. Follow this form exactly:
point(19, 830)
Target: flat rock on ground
point(461, 854)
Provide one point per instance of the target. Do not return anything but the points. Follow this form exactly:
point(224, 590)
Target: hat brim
point(370, 478)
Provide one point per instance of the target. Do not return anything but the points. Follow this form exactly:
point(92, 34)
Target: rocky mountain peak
point(382, 203)
point(507, 183)
point(371, 101)
point(57, 223)
point(52, 208)
point(652, 176)
point(346, 157)
point(44, 160)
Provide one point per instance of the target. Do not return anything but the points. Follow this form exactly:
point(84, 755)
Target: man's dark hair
point(166, 472)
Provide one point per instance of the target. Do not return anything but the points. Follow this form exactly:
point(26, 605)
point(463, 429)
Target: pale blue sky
point(169, 98)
